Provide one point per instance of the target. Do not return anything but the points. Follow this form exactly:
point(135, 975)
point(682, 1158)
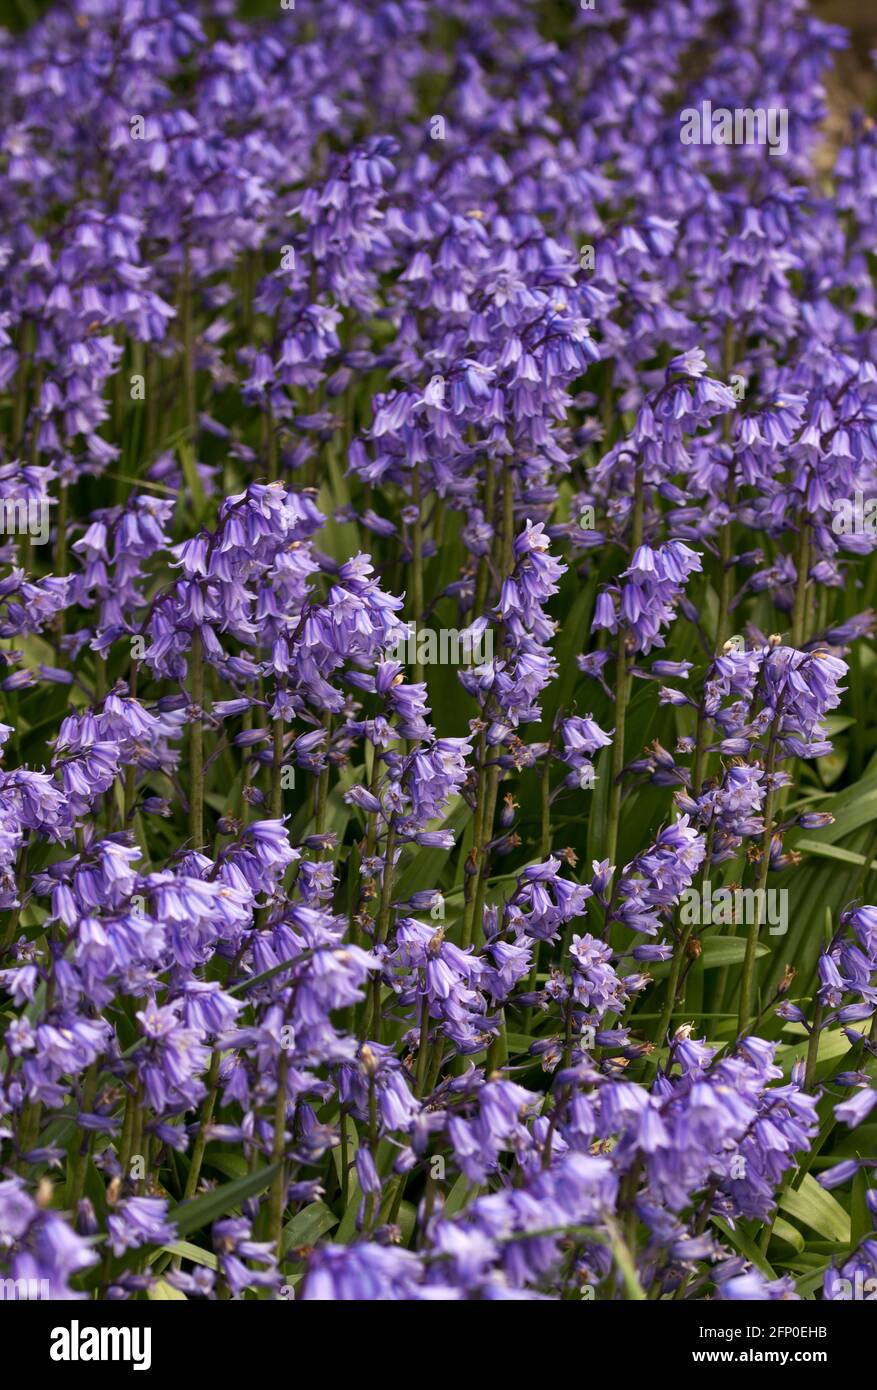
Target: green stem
point(423, 1049)
point(544, 852)
point(508, 521)
point(136, 1136)
point(417, 565)
point(189, 382)
point(545, 836)
point(471, 884)
point(277, 1199)
point(372, 1015)
point(323, 786)
point(813, 1048)
point(623, 683)
point(673, 984)
point(747, 983)
point(622, 695)
point(498, 1052)
point(246, 724)
point(699, 752)
point(368, 1215)
point(207, 1107)
point(626, 1266)
point(196, 741)
point(59, 558)
point(802, 566)
point(124, 1149)
point(277, 771)
point(80, 1162)
point(59, 565)
point(129, 788)
point(345, 1162)
point(727, 577)
point(481, 582)
point(28, 1130)
point(271, 443)
point(490, 798)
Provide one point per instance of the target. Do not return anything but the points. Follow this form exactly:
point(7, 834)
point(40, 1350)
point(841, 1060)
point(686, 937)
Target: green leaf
point(163, 1292)
point(833, 1043)
point(187, 1251)
point(352, 1146)
point(407, 1221)
point(307, 1226)
point(347, 1229)
point(460, 1195)
point(233, 1165)
point(599, 805)
point(836, 852)
point(265, 975)
point(193, 481)
point(784, 1230)
point(572, 640)
point(426, 864)
point(852, 808)
point(836, 723)
point(808, 1283)
point(625, 1263)
point(742, 1242)
point(725, 950)
point(860, 1222)
point(203, 1211)
point(817, 1209)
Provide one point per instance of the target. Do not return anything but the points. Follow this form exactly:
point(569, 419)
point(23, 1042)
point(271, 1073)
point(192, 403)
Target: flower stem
point(813, 1048)
point(271, 442)
point(423, 1049)
point(207, 1108)
point(673, 984)
point(471, 885)
point(545, 829)
point(747, 983)
point(277, 771)
point(727, 578)
point(189, 381)
point(483, 577)
point(802, 565)
point(323, 787)
point(417, 565)
point(490, 798)
point(372, 1016)
point(196, 741)
point(277, 1200)
point(622, 695)
point(623, 683)
point(507, 555)
point(129, 787)
point(79, 1166)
